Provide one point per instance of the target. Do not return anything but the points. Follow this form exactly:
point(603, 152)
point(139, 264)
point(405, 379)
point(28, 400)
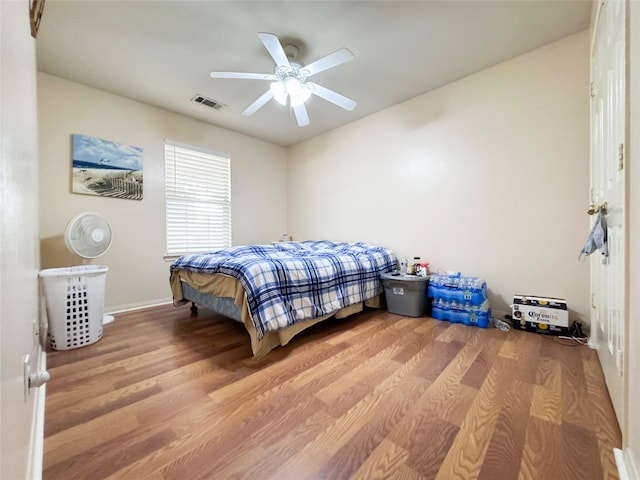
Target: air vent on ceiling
point(209, 102)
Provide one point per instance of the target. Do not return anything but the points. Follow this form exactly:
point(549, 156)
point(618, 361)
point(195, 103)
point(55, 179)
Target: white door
point(21, 414)
point(608, 156)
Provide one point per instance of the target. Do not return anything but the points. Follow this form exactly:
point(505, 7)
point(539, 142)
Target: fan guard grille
point(88, 235)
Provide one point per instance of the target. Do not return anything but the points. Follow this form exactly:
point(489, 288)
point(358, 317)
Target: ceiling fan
point(289, 81)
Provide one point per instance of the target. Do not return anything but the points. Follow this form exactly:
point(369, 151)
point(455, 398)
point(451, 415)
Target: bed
point(281, 289)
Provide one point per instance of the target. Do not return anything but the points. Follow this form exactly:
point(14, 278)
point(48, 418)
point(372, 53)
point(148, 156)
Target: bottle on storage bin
point(403, 265)
point(411, 269)
point(424, 269)
point(416, 265)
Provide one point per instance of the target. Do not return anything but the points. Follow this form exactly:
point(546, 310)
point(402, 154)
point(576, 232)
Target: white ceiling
point(161, 52)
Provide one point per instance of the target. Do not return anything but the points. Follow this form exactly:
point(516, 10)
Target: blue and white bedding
point(289, 282)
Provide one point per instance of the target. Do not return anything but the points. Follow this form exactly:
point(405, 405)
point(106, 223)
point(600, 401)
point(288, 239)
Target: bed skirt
point(224, 286)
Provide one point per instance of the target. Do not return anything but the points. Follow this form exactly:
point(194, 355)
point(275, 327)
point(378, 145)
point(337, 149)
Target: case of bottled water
point(459, 299)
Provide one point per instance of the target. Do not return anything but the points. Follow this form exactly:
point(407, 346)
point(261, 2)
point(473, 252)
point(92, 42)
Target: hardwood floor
point(167, 395)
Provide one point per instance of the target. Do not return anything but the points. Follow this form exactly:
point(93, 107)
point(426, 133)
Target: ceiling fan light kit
point(292, 90)
point(289, 81)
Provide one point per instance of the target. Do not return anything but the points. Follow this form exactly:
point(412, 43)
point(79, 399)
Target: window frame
point(183, 165)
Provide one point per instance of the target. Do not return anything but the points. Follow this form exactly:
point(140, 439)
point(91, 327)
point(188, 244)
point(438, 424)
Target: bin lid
point(403, 277)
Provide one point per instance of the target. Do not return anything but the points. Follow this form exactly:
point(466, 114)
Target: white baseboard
point(36, 447)
point(138, 305)
point(627, 469)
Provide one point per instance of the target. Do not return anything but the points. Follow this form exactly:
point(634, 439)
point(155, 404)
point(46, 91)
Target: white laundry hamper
point(74, 298)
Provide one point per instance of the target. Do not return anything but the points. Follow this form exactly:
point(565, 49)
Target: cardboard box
point(545, 315)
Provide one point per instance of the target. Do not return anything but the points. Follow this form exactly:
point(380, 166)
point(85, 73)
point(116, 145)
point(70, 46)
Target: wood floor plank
point(426, 438)
point(262, 380)
point(466, 456)
point(89, 409)
point(579, 449)
point(63, 445)
point(108, 457)
point(529, 355)
point(166, 394)
point(477, 372)
point(421, 335)
point(548, 373)
point(448, 397)
point(386, 461)
point(390, 411)
point(263, 462)
point(542, 455)
point(255, 430)
point(504, 453)
point(511, 347)
point(575, 397)
point(546, 404)
point(602, 416)
point(315, 454)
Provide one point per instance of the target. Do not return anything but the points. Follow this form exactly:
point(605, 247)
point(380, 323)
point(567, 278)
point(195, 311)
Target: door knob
point(38, 379)
point(32, 379)
point(593, 209)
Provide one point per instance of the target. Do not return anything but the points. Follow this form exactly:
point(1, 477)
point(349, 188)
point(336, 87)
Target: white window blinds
point(198, 199)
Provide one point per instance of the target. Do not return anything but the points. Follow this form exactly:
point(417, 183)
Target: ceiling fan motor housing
point(290, 51)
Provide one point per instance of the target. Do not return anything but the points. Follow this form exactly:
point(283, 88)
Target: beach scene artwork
point(105, 168)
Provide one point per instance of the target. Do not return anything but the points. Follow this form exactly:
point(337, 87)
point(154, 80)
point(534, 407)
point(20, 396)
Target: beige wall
point(20, 457)
point(487, 176)
point(138, 274)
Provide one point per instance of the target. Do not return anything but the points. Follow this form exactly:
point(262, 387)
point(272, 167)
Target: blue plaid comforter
point(296, 281)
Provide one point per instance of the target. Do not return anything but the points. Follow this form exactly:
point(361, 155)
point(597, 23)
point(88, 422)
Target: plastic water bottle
point(479, 291)
point(436, 309)
point(454, 316)
point(466, 286)
point(451, 287)
point(466, 319)
point(403, 266)
point(434, 289)
point(480, 315)
point(446, 311)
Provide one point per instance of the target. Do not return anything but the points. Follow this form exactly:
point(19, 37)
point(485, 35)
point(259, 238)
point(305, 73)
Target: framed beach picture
point(35, 15)
point(104, 168)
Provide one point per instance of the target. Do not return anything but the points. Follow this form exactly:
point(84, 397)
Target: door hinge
point(620, 156)
point(591, 91)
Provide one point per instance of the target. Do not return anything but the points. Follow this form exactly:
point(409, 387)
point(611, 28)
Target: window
point(198, 199)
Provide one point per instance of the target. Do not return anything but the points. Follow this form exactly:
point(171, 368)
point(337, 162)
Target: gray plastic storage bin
point(406, 294)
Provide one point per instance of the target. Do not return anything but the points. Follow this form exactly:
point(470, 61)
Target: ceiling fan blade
point(333, 97)
point(241, 75)
point(333, 59)
point(251, 109)
point(272, 43)
point(301, 115)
